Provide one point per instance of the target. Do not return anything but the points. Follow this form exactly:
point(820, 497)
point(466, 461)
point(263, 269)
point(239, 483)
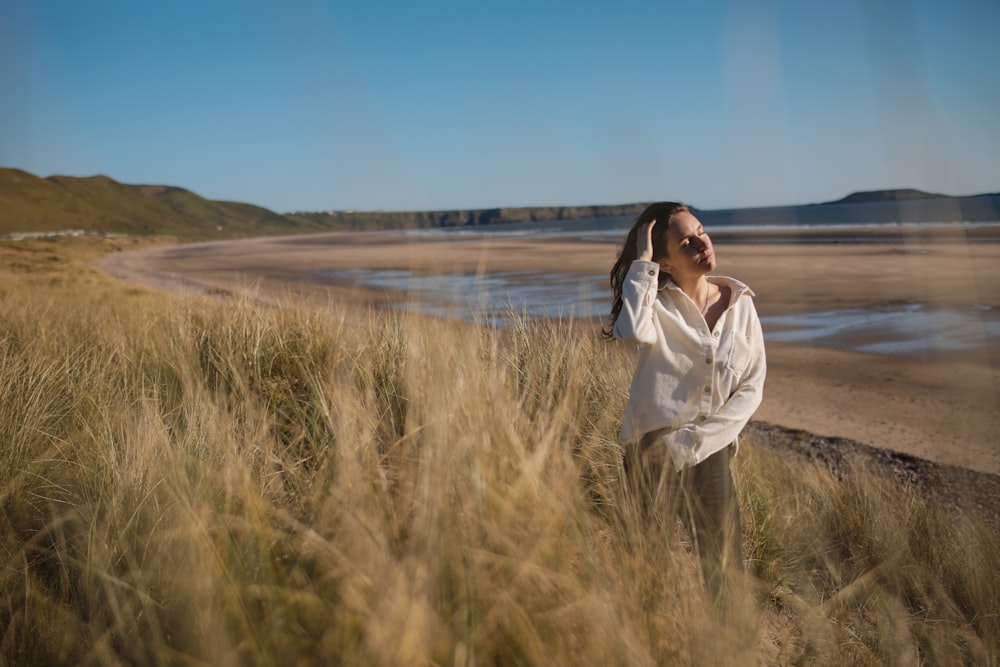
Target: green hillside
point(29, 203)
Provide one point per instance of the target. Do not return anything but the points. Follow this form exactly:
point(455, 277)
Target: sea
point(494, 299)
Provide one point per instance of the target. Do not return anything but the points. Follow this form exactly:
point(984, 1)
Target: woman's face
point(689, 250)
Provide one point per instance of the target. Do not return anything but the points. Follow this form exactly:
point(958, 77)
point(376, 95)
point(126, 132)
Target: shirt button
point(652, 272)
point(701, 418)
point(717, 334)
point(708, 361)
point(708, 390)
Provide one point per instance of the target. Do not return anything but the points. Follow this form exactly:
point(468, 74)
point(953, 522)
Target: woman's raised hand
point(644, 242)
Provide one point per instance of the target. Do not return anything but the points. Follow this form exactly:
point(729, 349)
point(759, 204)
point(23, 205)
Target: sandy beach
point(943, 405)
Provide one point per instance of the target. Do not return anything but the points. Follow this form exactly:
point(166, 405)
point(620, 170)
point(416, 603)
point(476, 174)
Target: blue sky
point(372, 104)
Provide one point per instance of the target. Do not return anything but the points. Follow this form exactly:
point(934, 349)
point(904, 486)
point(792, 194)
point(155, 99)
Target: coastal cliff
point(463, 217)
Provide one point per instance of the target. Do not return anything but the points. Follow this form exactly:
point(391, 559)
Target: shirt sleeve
point(694, 442)
point(635, 321)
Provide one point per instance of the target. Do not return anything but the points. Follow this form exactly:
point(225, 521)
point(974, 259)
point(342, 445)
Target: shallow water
point(910, 329)
point(491, 296)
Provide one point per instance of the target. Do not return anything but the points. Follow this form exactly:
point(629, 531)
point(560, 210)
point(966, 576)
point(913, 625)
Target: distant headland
point(101, 205)
point(899, 194)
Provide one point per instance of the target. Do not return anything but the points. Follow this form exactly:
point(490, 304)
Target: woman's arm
point(635, 321)
point(696, 441)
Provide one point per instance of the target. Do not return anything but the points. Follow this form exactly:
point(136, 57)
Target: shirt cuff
point(681, 445)
point(644, 269)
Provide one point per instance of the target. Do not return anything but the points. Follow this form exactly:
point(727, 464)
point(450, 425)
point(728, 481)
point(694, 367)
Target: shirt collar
point(738, 288)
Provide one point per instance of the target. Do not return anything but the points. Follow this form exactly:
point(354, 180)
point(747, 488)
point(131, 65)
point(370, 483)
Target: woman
point(699, 378)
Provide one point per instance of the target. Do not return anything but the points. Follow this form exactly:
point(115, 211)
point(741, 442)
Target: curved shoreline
point(944, 409)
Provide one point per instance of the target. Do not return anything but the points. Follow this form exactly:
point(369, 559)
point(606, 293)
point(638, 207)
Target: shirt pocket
point(738, 356)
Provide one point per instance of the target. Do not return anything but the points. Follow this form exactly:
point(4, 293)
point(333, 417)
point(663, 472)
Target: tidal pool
point(493, 296)
point(909, 329)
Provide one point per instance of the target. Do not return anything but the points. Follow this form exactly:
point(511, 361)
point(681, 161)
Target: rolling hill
point(29, 203)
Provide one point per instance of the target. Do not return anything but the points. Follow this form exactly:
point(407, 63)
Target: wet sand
point(943, 406)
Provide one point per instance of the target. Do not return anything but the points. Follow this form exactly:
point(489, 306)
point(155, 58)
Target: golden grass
point(198, 482)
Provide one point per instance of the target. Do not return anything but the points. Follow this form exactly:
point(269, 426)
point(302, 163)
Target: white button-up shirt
point(701, 385)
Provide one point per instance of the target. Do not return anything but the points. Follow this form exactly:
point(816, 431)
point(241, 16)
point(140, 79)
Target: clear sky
point(378, 104)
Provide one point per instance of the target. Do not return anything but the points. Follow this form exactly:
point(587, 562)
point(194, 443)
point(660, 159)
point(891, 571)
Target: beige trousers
point(702, 496)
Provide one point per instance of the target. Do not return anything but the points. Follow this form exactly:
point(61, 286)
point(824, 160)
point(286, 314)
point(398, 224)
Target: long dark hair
point(663, 212)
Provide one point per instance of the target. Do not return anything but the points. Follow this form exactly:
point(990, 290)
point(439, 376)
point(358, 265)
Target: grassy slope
point(191, 480)
point(29, 203)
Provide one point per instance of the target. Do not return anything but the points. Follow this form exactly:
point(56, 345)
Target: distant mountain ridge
point(873, 206)
point(99, 204)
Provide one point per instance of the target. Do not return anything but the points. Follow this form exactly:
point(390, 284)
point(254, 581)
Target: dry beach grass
point(220, 481)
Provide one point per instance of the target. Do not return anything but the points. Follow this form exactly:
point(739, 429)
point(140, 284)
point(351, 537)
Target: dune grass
point(189, 481)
